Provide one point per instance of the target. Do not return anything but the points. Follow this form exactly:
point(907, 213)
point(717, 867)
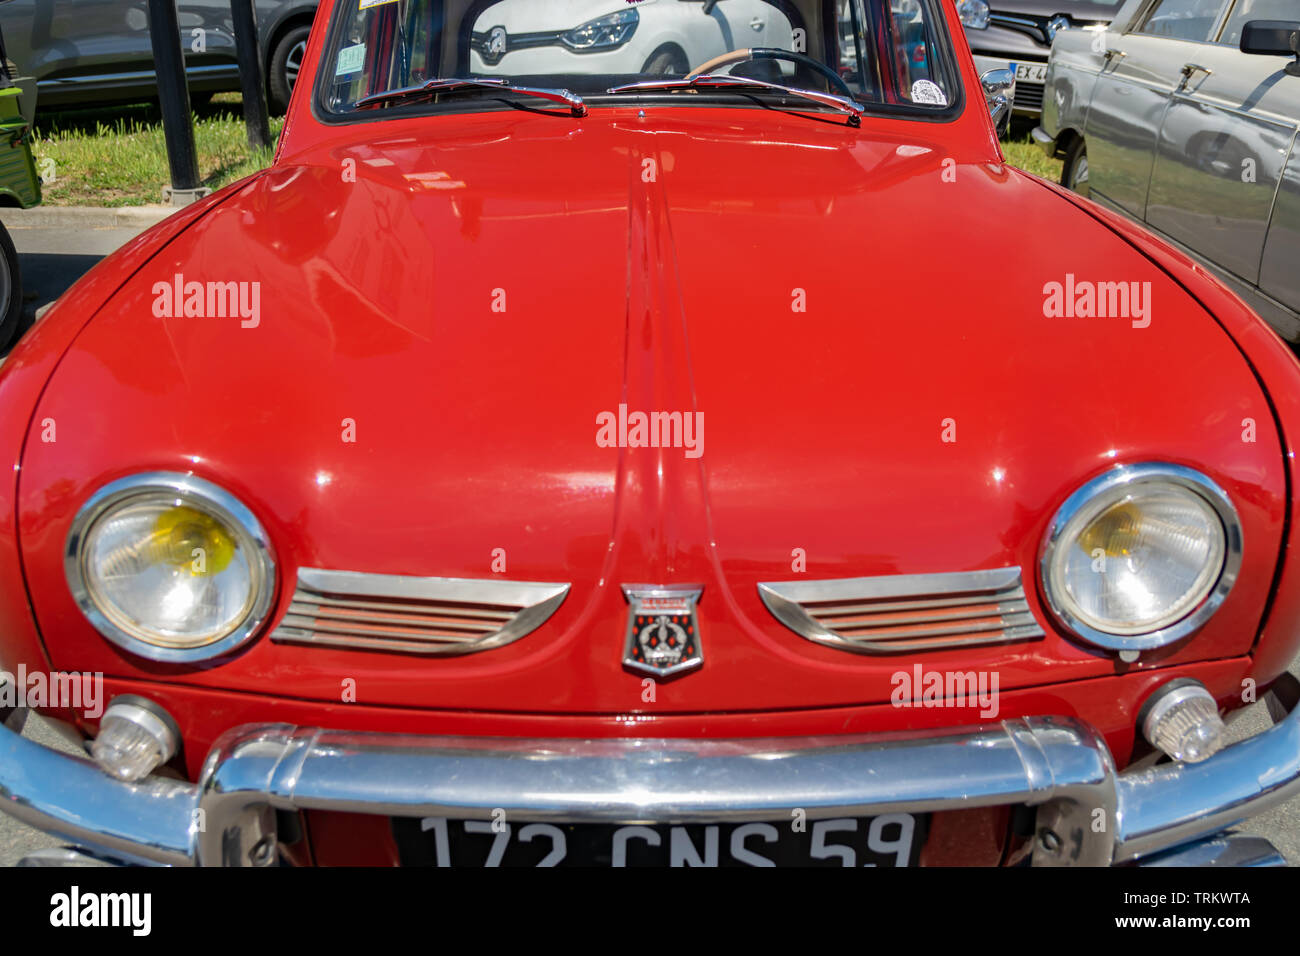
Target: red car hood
point(835, 304)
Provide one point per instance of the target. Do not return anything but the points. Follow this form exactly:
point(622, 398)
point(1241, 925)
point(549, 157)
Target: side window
point(900, 61)
point(1247, 10)
point(1183, 19)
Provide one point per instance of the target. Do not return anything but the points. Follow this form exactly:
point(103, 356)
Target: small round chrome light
point(1141, 556)
point(1182, 719)
point(170, 567)
point(136, 736)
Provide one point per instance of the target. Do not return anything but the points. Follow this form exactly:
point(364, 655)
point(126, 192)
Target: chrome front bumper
point(1087, 813)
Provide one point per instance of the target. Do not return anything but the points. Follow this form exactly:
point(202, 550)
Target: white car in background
point(527, 37)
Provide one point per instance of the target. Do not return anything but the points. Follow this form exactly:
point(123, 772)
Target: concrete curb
point(84, 217)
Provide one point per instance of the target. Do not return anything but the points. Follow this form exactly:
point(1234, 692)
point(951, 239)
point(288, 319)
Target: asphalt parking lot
point(56, 246)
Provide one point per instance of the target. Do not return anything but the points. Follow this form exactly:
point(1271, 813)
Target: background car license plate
point(893, 839)
point(1033, 72)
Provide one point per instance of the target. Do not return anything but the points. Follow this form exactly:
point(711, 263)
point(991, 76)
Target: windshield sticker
point(367, 4)
point(928, 92)
point(351, 59)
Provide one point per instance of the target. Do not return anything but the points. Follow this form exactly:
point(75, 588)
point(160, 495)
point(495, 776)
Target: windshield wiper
point(455, 84)
point(715, 81)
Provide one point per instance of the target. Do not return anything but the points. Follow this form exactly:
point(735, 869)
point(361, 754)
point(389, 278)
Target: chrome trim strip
point(212, 498)
point(220, 70)
point(998, 587)
point(1121, 476)
point(1035, 28)
point(524, 605)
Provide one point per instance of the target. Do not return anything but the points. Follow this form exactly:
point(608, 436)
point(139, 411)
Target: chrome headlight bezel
point(1112, 484)
point(197, 493)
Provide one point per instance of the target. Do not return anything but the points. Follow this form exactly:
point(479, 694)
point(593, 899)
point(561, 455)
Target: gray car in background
point(1018, 34)
point(1183, 115)
point(91, 52)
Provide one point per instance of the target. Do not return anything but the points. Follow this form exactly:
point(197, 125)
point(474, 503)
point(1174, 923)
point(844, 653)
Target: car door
point(66, 38)
point(1223, 145)
point(1131, 95)
point(207, 35)
point(1279, 277)
point(86, 50)
point(745, 21)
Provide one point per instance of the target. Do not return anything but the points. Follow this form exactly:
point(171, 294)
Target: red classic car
point(609, 468)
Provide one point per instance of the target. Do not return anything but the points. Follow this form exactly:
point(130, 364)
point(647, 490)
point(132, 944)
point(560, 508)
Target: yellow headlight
point(1115, 531)
point(188, 539)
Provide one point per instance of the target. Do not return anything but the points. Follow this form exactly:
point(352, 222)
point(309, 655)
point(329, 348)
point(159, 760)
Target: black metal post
point(173, 95)
point(251, 73)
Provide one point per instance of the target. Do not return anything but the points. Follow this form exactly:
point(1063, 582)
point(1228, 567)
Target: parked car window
point(1183, 19)
point(893, 53)
point(1247, 10)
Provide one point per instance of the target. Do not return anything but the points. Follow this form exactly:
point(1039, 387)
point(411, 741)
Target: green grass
point(118, 157)
point(1023, 153)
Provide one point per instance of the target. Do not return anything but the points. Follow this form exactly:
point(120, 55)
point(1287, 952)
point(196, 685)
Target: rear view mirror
point(1273, 38)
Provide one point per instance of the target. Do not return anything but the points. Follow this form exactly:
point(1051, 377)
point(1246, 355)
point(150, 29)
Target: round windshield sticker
point(928, 92)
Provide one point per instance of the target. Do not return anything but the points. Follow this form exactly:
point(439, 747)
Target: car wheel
point(11, 290)
point(286, 61)
point(1074, 176)
point(667, 61)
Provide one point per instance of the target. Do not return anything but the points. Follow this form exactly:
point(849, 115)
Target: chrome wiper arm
point(428, 87)
point(725, 80)
point(450, 84)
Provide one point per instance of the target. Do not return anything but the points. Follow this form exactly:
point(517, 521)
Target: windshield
point(893, 55)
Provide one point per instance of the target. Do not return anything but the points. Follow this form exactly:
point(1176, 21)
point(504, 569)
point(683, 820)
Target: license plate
point(893, 839)
point(1032, 72)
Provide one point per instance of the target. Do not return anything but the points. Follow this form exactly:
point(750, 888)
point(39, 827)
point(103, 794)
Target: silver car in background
point(1183, 114)
point(671, 37)
point(1018, 34)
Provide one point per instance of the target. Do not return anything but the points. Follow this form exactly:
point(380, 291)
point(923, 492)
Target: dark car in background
point(1018, 34)
point(90, 52)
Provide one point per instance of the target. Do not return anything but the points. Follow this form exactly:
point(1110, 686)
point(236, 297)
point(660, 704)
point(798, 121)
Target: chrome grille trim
point(413, 615)
point(898, 613)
